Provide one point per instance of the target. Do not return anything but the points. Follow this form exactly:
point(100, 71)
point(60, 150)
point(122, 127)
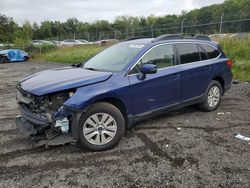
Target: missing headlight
point(63, 125)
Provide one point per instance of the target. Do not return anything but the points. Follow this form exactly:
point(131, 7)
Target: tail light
point(230, 63)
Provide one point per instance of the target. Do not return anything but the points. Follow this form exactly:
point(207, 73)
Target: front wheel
point(101, 127)
point(4, 59)
point(212, 97)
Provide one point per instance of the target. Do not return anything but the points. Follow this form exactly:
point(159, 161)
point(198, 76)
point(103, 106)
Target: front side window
point(188, 52)
point(162, 56)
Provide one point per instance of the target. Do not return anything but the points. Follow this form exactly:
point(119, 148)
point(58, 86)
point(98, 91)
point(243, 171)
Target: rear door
point(156, 90)
point(195, 71)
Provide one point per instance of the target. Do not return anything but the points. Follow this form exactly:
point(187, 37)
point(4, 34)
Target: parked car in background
point(95, 103)
point(83, 41)
point(56, 42)
point(107, 42)
point(4, 46)
point(40, 42)
point(71, 42)
point(13, 55)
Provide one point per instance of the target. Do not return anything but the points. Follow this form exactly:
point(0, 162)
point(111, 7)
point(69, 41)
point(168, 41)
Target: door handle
point(207, 67)
point(175, 75)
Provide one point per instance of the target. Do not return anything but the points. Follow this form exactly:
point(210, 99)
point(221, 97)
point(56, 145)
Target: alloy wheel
point(214, 96)
point(99, 128)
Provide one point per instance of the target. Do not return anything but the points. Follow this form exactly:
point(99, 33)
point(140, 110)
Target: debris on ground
point(222, 113)
point(241, 137)
point(248, 93)
point(235, 81)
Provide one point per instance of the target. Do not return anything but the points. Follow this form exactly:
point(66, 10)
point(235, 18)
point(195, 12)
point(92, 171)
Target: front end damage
point(45, 118)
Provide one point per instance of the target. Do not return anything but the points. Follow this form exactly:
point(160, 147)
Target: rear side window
point(203, 55)
point(188, 52)
point(211, 52)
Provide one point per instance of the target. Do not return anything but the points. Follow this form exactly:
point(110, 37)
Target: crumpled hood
point(61, 79)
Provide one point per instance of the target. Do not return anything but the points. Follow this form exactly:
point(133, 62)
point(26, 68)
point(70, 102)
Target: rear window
point(211, 52)
point(188, 52)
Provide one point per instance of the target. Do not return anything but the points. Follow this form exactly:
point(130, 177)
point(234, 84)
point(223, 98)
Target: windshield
point(114, 58)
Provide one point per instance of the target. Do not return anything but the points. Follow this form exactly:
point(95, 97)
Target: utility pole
point(152, 31)
point(133, 29)
point(100, 36)
point(74, 36)
point(88, 36)
point(221, 21)
point(115, 34)
point(182, 26)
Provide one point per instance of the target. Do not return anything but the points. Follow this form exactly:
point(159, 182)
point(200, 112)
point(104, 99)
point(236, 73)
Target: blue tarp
point(14, 55)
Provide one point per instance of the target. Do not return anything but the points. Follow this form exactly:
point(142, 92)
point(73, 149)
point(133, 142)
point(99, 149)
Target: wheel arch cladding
point(221, 81)
point(118, 104)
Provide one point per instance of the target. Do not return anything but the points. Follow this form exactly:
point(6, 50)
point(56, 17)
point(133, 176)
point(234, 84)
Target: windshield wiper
point(76, 65)
point(89, 68)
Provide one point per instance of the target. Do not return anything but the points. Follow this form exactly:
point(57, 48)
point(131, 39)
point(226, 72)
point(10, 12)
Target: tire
point(212, 97)
point(25, 59)
point(101, 136)
point(5, 59)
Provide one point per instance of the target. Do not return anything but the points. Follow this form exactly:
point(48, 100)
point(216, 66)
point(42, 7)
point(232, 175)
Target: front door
point(155, 90)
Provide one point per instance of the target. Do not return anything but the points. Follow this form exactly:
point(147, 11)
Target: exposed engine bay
point(44, 117)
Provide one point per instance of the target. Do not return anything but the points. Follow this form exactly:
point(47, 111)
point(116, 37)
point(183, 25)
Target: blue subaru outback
point(94, 103)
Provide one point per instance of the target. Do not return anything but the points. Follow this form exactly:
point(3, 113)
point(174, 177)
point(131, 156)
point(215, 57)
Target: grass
point(239, 51)
point(70, 55)
point(241, 70)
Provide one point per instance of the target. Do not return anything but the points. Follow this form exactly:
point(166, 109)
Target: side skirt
point(145, 115)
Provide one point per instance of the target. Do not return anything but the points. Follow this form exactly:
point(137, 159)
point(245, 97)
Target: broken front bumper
point(25, 126)
point(28, 122)
point(39, 127)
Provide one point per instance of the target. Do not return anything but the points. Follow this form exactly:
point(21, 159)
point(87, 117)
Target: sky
point(92, 10)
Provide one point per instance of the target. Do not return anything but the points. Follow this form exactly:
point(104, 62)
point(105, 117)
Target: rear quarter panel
point(220, 69)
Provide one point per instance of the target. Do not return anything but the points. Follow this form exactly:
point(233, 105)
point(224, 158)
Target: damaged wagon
point(94, 103)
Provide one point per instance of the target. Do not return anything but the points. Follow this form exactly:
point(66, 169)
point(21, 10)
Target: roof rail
point(168, 37)
point(133, 38)
point(201, 37)
point(179, 36)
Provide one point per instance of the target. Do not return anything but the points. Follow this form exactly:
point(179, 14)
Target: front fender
point(87, 95)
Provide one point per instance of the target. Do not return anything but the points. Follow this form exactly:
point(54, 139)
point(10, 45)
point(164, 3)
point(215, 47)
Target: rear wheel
point(25, 59)
point(213, 97)
point(101, 127)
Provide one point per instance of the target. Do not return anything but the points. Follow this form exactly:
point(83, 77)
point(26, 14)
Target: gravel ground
point(184, 148)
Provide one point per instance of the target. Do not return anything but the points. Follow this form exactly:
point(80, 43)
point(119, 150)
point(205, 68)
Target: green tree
point(23, 35)
point(7, 27)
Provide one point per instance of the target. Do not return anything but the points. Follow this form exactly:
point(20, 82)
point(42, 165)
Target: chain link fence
point(239, 26)
point(186, 27)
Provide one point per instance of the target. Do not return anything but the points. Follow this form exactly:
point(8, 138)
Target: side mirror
point(147, 69)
